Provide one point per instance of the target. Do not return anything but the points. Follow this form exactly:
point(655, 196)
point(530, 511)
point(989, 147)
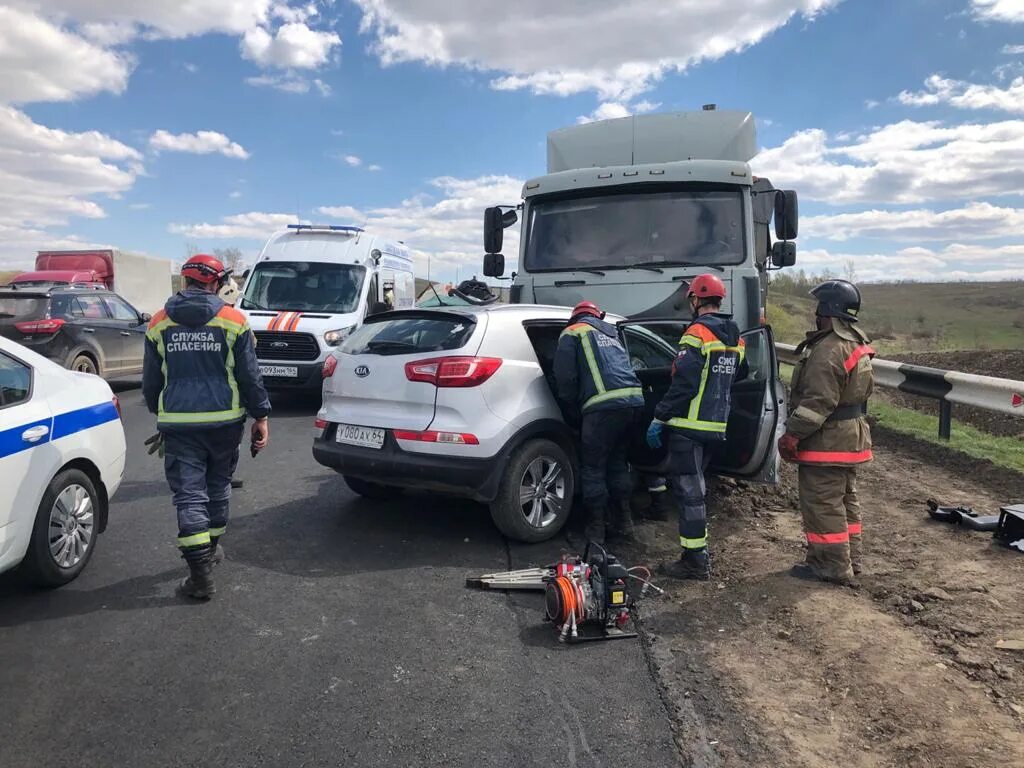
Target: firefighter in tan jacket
point(827, 434)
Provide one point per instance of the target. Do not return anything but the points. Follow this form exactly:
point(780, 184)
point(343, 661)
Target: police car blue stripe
point(68, 423)
point(62, 425)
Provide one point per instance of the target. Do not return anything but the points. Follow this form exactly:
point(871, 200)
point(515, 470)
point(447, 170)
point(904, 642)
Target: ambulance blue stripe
point(62, 425)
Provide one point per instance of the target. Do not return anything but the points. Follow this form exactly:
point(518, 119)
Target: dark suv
point(84, 329)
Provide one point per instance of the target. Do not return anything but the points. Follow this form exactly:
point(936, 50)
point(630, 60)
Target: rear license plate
point(365, 437)
point(284, 371)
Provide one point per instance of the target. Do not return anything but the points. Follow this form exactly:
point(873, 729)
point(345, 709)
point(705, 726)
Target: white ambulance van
point(311, 286)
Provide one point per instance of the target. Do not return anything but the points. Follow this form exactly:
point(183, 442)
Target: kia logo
point(362, 371)
point(280, 345)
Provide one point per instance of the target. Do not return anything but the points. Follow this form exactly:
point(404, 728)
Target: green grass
point(1004, 451)
point(919, 317)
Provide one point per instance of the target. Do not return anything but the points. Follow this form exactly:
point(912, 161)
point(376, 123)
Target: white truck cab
point(311, 286)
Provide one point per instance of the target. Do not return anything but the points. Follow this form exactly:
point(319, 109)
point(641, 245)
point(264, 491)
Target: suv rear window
point(410, 334)
point(22, 307)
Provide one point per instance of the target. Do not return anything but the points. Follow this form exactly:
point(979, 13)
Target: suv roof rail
point(340, 228)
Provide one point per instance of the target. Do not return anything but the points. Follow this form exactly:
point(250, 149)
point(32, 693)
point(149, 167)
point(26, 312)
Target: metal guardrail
point(989, 393)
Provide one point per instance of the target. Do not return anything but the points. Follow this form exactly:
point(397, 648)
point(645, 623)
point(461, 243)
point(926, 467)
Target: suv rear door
point(91, 318)
point(371, 386)
point(758, 404)
point(131, 329)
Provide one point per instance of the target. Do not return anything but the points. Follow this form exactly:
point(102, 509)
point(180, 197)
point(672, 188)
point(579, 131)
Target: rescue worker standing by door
point(696, 411)
point(827, 434)
point(598, 389)
point(200, 377)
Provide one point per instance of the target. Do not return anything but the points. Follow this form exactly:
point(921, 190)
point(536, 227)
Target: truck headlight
point(334, 338)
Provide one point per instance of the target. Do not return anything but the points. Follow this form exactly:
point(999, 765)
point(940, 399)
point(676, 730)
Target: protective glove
point(788, 445)
point(156, 444)
point(654, 434)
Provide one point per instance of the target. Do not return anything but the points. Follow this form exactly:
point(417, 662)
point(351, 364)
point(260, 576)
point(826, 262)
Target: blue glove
point(654, 434)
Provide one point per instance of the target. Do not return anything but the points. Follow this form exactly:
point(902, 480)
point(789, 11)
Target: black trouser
point(688, 460)
point(604, 462)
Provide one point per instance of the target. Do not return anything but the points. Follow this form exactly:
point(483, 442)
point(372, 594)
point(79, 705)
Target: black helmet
point(837, 298)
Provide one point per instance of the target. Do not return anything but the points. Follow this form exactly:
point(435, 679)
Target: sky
point(169, 125)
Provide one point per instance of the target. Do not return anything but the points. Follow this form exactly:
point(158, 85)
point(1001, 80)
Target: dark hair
point(190, 283)
point(710, 301)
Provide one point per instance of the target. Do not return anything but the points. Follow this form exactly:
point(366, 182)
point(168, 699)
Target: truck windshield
point(304, 286)
point(618, 231)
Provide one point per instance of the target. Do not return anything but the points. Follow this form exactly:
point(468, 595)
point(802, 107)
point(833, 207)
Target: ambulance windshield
point(304, 286)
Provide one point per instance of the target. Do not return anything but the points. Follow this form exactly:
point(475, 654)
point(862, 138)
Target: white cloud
point(373, 168)
point(48, 176)
point(235, 194)
point(244, 226)
point(353, 160)
point(610, 110)
point(1013, 50)
point(974, 221)
point(40, 61)
point(446, 225)
point(323, 88)
point(288, 83)
point(998, 10)
point(140, 206)
point(955, 262)
point(199, 143)
point(190, 67)
point(292, 46)
point(616, 49)
point(964, 95)
point(905, 162)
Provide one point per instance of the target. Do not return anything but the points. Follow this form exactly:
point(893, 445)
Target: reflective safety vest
point(700, 396)
point(592, 369)
point(200, 387)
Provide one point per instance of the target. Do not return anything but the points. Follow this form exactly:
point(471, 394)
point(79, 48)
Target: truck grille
point(274, 345)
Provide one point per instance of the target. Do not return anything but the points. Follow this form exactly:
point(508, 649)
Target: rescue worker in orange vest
point(827, 434)
point(696, 411)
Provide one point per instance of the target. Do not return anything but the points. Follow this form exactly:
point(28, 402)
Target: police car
point(62, 452)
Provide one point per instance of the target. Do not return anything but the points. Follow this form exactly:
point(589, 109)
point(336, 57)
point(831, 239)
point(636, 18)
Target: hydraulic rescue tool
point(588, 597)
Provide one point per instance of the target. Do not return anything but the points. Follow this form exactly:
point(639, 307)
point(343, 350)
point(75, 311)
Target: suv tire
point(85, 364)
point(536, 493)
point(69, 513)
point(370, 490)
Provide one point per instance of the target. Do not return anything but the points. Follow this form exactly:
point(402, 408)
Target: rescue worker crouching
point(599, 391)
point(827, 434)
point(712, 356)
point(200, 378)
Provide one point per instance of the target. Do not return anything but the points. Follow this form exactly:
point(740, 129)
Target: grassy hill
point(918, 317)
point(5, 276)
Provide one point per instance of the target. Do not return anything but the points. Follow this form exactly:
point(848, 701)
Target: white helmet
point(229, 292)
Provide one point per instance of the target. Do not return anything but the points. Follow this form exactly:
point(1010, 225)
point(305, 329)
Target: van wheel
point(84, 364)
point(64, 533)
point(536, 493)
point(371, 490)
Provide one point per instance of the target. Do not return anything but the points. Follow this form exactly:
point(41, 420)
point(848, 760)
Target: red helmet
point(707, 287)
point(587, 308)
point(204, 268)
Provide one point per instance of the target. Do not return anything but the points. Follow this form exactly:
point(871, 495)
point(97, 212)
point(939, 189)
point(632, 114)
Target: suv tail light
point(450, 438)
point(330, 366)
point(453, 371)
point(42, 327)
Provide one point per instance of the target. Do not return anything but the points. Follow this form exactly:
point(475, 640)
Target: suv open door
point(758, 412)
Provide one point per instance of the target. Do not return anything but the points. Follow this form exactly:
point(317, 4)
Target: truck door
point(757, 417)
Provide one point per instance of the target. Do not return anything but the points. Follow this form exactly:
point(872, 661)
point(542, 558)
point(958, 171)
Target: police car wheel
point(536, 493)
point(64, 533)
point(370, 490)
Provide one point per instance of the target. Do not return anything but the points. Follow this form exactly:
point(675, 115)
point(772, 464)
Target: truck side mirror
point(783, 254)
point(494, 264)
point(494, 230)
point(787, 214)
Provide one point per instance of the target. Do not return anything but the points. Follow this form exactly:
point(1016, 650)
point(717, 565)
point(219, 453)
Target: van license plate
point(366, 437)
point(283, 371)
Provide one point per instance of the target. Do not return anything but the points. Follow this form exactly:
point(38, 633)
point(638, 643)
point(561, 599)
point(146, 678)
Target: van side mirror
point(494, 230)
point(787, 214)
point(494, 265)
point(783, 254)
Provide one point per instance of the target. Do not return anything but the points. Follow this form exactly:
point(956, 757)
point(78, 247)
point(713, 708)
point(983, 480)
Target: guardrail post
point(945, 418)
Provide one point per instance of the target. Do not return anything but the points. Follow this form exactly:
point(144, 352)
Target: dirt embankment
point(1005, 364)
point(766, 670)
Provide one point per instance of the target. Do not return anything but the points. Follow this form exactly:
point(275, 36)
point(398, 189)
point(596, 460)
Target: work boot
point(199, 583)
point(808, 572)
point(621, 530)
point(218, 550)
point(595, 528)
point(692, 564)
point(661, 506)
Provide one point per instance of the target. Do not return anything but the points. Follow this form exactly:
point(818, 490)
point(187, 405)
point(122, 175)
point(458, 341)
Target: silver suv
point(459, 400)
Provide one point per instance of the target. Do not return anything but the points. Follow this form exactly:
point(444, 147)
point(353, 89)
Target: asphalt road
point(341, 635)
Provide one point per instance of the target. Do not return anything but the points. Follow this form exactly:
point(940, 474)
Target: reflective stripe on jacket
point(592, 369)
point(711, 357)
point(200, 365)
point(832, 378)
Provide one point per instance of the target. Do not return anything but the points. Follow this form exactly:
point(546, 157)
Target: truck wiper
point(597, 272)
point(651, 264)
